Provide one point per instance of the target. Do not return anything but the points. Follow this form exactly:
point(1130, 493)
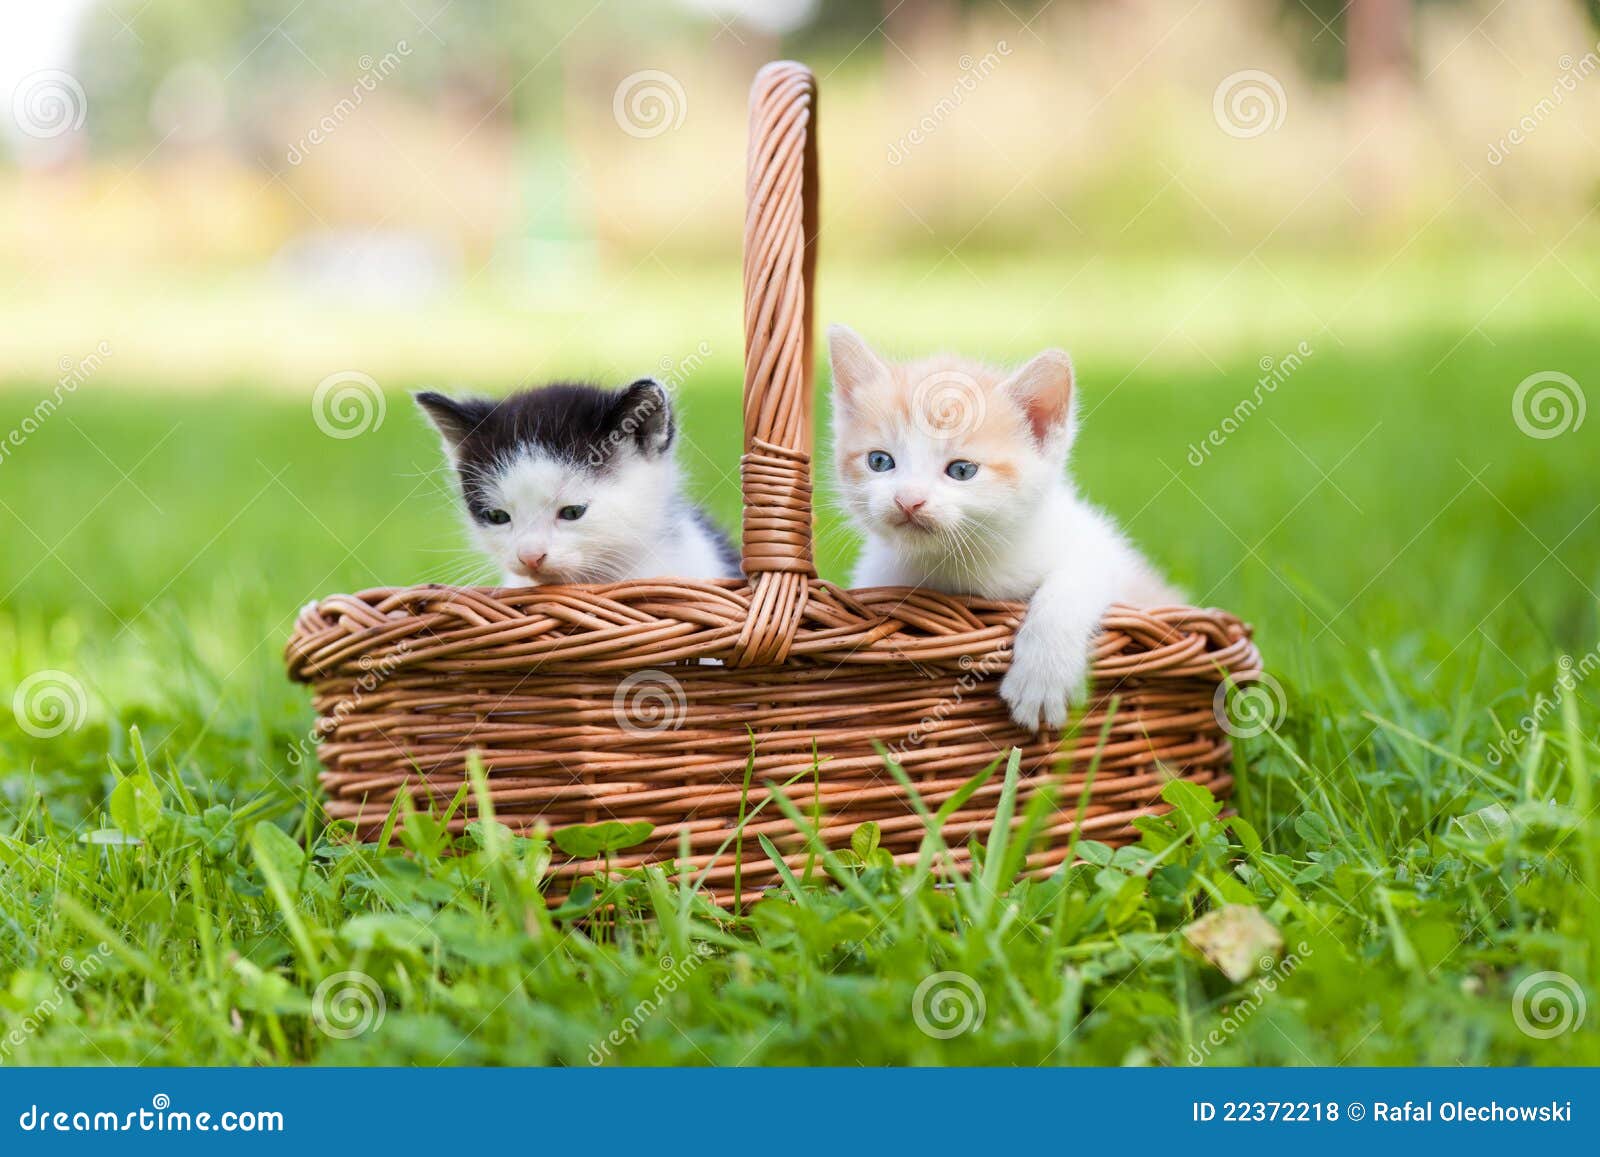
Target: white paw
point(1041, 685)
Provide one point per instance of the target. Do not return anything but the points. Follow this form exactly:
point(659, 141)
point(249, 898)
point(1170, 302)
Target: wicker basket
point(646, 701)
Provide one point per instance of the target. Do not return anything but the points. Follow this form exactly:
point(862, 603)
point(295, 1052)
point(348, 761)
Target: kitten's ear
point(643, 412)
point(1043, 391)
point(454, 418)
point(854, 363)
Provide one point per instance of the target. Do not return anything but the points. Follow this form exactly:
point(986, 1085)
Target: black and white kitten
point(571, 483)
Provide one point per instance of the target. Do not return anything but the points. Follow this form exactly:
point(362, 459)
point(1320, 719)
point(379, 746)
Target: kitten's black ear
point(454, 418)
point(643, 414)
point(1043, 390)
point(854, 364)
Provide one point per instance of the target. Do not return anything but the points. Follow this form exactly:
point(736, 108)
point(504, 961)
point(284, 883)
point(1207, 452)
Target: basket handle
point(780, 232)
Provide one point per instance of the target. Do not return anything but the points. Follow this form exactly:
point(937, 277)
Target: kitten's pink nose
point(909, 507)
point(530, 560)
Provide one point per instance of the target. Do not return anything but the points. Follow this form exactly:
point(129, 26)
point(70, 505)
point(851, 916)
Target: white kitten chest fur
point(1068, 561)
point(1063, 533)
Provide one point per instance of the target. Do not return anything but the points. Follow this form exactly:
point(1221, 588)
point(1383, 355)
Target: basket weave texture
point(650, 700)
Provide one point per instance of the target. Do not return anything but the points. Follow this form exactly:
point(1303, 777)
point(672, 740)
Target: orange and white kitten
point(957, 474)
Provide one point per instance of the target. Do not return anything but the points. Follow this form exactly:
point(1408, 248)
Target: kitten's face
point(544, 520)
point(562, 484)
point(940, 454)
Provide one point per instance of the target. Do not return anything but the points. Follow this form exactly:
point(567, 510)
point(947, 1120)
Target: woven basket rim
point(650, 623)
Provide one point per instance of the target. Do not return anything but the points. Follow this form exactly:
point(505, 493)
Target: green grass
point(1415, 566)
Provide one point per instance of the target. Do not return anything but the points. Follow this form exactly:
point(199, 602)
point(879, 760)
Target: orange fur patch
point(945, 395)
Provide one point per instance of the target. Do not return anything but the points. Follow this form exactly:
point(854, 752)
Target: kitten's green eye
point(571, 513)
point(878, 462)
point(496, 517)
point(961, 470)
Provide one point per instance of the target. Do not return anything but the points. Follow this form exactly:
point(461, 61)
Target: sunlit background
point(482, 190)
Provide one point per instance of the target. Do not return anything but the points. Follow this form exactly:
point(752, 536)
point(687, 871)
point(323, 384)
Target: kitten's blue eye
point(496, 517)
point(571, 513)
point(961, 470)
point(878, 462)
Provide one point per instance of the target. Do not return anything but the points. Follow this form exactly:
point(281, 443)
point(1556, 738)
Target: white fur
point(1029, 538)
point(1070, 563)
point(637, 525)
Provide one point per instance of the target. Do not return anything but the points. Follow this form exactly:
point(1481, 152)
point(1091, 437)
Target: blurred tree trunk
point(1379, 79)
point(919, 29)
point(904, 19)
point(1378, 45)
